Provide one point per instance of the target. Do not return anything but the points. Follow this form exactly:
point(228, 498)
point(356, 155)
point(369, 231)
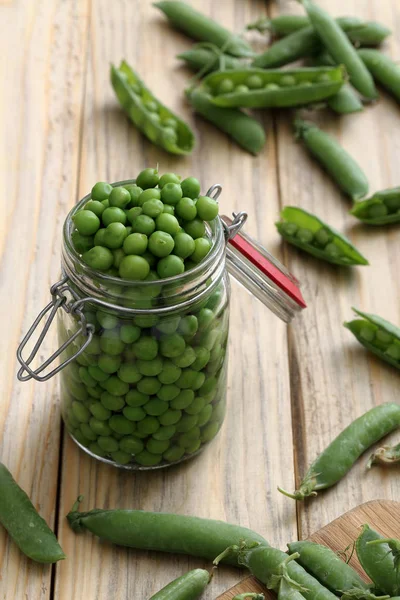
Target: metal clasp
point(59, 300)
point(239, 219)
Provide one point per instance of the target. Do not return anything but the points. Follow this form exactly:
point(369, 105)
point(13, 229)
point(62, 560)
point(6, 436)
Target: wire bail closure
point(239, 219)
point(59, 300)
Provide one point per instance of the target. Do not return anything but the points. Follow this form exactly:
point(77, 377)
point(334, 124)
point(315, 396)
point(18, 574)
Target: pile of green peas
point(148, 390)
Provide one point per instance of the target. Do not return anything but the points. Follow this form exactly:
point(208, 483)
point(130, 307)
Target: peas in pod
point(189, 586)
point(383, 208)
point(378, 336)
point(308, 232)
point(341, 454)
point(157, 122)
point(346, 100)
point(380, 559)
point(258, 88)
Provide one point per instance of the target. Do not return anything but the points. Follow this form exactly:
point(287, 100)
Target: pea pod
point(272, 566)
point(338, 458)
point(308, 232)
point(383, 70)
point(378, 561)
point(387, 455)
point(341, 49)
point(281, 25)
point(205, 58)
point(377, 335)
point(200, 27)
point(336, 161)
point(325, 565)
point(163, 532)
point(187, 587)
point(299, 44)
point(288, 592)
point(346, 100)
point(258, 88)
point(245, 130)
point(246, 595)
point(160, 125)
point(383, 208)
point(25, 526)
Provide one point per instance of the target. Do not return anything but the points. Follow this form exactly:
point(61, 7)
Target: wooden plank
point(333, 379)
point(381, 515)
point(43, 50)
point(220, 483)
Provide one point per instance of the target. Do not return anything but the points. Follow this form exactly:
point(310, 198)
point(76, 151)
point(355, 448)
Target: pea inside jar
point(147, 256)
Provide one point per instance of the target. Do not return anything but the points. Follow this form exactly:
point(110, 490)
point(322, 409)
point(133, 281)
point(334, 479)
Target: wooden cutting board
point(382, 515)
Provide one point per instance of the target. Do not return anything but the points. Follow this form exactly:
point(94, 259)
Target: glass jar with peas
point(143, 317)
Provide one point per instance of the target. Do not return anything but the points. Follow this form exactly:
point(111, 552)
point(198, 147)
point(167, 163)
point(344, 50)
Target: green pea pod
point(258, 88)
point(187, 587)
point(377, 335)
point(288, 592)
point(299, 44)
point(383, 70)
point(336, 161)
point(206, 59)
point(200, 27)
point(383, 208)
point(280, 26)
point(346, 100)
point(272, 566)
point(325, 565)
point(25, 526)
point(308, 232)
point(148, 114)
point(367, 34)
point(341, 454)
point(245, 130)
point(246, 595)
point(163, 532)
point(341, 49)
point(387, 455)
point(378, 561)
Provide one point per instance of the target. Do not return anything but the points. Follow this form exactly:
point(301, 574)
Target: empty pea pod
point(383, 69)
point(258, 88)
point(24, 524)
point(160, 125)
point(377, 335)
point(338, 458)
point(189, 586)
point(383, 208)
point(346, 100)
point(341, 49)
point(208, 58)
point(200, 27)
point(247, 132)
point(378, 561)
point(387, 455)
point(308, 232)
point(334, 158)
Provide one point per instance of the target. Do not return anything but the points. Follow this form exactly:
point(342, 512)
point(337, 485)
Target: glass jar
point(144, 371)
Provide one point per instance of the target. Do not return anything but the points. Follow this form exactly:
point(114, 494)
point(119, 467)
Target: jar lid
point(259, 272)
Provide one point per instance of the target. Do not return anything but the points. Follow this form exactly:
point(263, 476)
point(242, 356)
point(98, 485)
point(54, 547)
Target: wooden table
point(291, 389)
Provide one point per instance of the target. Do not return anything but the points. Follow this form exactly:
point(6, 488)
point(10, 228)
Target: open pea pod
point(377, 335)
point(308, 232)
point(263, 88)
point(383, 208)
point(159, 124)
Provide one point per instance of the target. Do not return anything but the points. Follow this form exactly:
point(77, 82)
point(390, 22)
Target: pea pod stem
point(387, 455)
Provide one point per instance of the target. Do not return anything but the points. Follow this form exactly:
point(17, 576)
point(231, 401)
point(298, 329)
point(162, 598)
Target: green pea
point(105, 203)
point(149, 385)
point(119, 197)
point(170, 266)
point(146, 348)
point(113, 214)
point(110, 343)
point(165, 433)
point(304, 84)
point(184, 245)
point(169, 324)
point(95, 206)
point(122, 458)
point(186, 423)
point(151, 105)
point(99, 237)
point(109, 364)
point(172, 345)
point(188, 325)
point(305, 236)
point(99, 427)
point(225, 86)
point(94, 346)
point(186, 209)
point(101, 191)
point(135, 398)
point(112, 402)
point(170, 417)
point(187, 439)
point(80, 438)
point(80, 412)
point(129, 333)
point(254, 82)
point(322, 237)
point(147, 459)
point(95, 392)
point(134, 268)
point(133, 213)
point(168, 223)
point(185, 359)
point(147, 178)
point(153, 208)
point(377, 210)
point(332, 250)
point(287, 81)
point(202, 246)
point(161, 243)
point(183, 399)
point(241, 89)
point(144, 224)
point(195, 228)
point(196, 406)
point(150, 368)
point(168, 392)
point(210, 431)
point(95, 449)
point(367, 333)
point(170, 373)
point(100, 412)
point(134, 192)
point(202, 358)
point(118, 254)
point(86, 222)
point(168, 177)
point(145, 321)
point(157, 446)
point(131, 445)
point(98, 258)
point(106, 320)
point(194, 446)
point(156, 407)
point(86, 378)
point(134, 413)
point(174, 453)
point(107, 443)
point(207, 208)
point(88, 432)
point(149, 425)
point(204, 415)
point(82, 243)
point(394, 351)
point(150, 194)
point(170, 210)
point(190, 187)
point(135, 243)
point(204, 318)
point(171, 193)
point(121, 424)
point(129, 373)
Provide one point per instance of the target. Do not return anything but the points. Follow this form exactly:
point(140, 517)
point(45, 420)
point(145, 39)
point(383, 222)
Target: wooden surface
point(291, 390)
point(381, 515)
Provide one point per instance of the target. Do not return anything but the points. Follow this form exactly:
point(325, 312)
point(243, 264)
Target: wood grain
point(381, 515)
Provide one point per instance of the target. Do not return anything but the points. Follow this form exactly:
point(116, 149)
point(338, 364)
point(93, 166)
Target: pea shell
point(346, 100)
point(383, 69)
point(247, 132)
point(361, 209)
point(377, 561)
point(299, 44)
point(207, 60)
point(356, 326)
point(123, 80)
point(302, 218)
point(293, 95)
point(186, 587)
